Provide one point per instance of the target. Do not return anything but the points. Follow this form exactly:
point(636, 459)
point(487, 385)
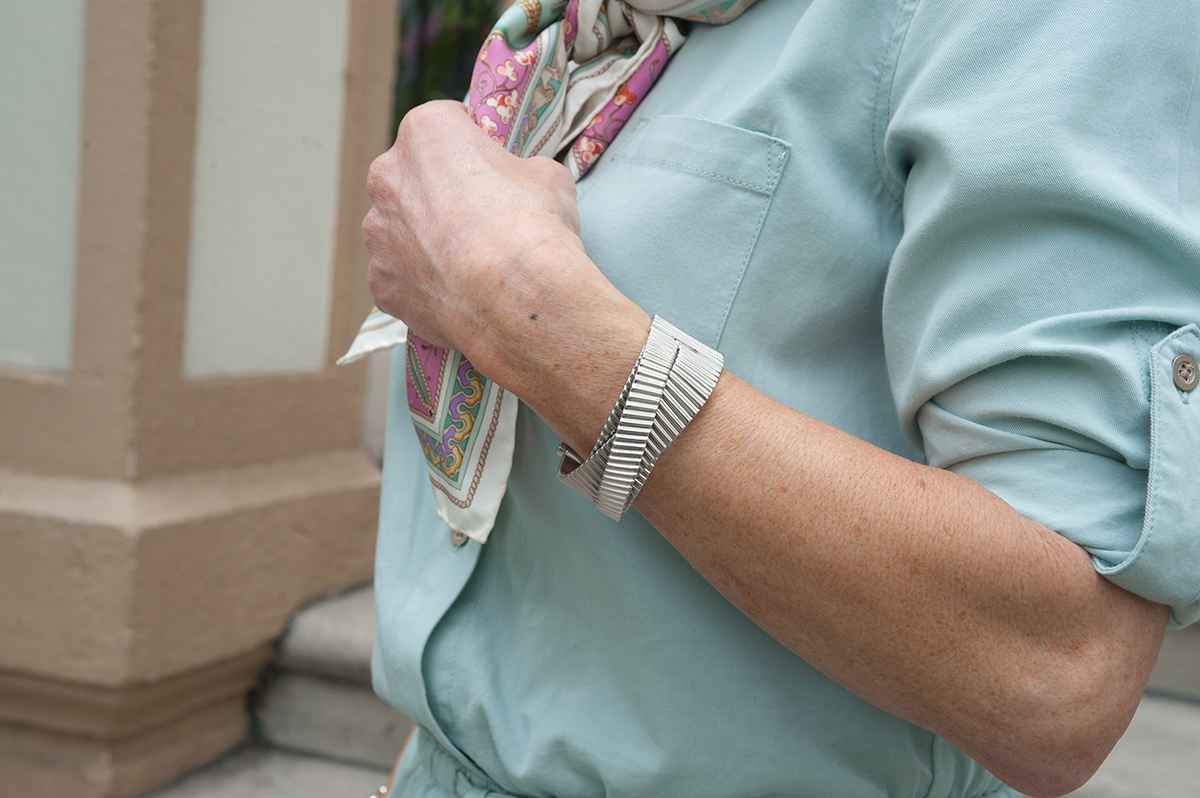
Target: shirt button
point(1186, 372)
point(458, 538)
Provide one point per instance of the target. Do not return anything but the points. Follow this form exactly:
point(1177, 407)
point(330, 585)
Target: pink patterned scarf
point(559, 80)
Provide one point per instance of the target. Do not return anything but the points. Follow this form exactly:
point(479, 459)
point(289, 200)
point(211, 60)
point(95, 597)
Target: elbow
point(1065, 776)
point(1057, 763)
point(1066, 705)
point(1071, 728)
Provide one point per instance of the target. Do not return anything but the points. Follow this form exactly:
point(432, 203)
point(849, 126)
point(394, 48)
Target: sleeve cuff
point(1164, 565)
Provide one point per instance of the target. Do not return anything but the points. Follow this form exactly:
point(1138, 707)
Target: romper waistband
point(448, 774)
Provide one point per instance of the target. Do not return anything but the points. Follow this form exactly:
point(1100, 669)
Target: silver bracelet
point(585, 475)
point(693, 379)
point(638, 418)
point(672, 379)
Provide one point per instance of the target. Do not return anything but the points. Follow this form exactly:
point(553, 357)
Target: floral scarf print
point(558, 79)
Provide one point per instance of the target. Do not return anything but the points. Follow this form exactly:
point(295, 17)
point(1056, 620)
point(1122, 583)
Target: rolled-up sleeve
point(1164, 562)
point(1046, 291)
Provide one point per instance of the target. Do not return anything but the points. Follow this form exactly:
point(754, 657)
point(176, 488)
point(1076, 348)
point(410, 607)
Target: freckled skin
point(915, 588)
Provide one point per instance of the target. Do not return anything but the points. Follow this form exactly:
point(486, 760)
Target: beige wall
point(126, 410)
point(157, 528)
point(80, 422)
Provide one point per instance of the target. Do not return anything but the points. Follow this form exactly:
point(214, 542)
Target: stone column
point(181, 188)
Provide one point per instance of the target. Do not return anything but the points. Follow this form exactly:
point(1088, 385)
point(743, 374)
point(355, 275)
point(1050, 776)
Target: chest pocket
point(671, 215)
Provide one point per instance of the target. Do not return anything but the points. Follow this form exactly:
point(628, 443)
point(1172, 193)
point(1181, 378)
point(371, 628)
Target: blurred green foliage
point(439, 40)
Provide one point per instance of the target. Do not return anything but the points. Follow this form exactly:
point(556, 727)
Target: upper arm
point(1049, 272)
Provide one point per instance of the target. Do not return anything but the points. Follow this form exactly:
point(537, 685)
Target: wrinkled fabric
point(966, 233)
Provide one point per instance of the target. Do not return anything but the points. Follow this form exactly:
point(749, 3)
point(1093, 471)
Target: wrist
point(562, 338)
point(674, 376)
point(572, 373)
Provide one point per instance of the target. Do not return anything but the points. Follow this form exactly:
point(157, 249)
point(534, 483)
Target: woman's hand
point(478, 250)
point(454, 222)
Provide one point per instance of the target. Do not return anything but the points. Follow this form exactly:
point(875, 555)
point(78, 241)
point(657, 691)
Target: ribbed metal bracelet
point(671, 381)
point(692, 380)
point(636, 421)
point(585, 476)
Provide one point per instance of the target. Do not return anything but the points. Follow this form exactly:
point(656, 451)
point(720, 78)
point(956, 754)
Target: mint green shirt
point(965, 232)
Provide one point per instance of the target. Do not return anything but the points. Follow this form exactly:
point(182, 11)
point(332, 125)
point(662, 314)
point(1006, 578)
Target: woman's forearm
point(913, 587)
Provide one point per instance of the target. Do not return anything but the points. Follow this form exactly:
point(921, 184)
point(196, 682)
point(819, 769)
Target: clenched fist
point(455, 222)
point(478, 250)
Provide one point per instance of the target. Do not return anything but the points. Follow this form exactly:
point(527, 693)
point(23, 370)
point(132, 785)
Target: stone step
point(317, 697)
point(255, 771)
point(332, 637)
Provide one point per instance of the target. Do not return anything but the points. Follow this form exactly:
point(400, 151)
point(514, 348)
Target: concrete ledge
point(113, 583)
point(120, 713)
point(136, 617)
point(319, 699)
point(36, 762)
point(173, 500)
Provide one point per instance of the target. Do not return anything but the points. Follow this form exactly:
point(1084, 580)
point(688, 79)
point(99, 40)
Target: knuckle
point(409, 121)
point(443, 109)
point(429, 119)
point(371, 226)
point(377, 176)
point(374, 278)
point(566, 184)
point(417, 119)
point(377, 282)
point(554, 173)
point(547, 166)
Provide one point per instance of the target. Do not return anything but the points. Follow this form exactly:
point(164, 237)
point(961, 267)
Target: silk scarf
point(557, 79)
